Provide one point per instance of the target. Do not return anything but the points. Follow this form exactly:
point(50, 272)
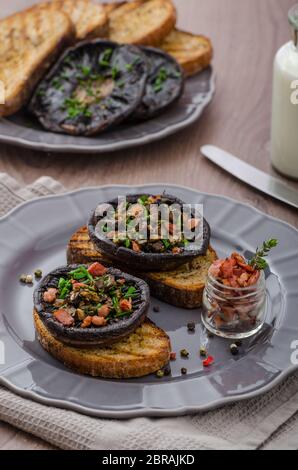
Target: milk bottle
point(284, 137)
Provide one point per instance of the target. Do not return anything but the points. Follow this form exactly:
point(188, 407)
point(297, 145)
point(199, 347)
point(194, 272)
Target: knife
point(251, 175)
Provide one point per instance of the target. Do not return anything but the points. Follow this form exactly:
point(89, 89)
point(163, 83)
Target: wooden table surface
point(246, 34)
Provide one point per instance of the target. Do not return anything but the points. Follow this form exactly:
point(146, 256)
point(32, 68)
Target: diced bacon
point(78, 285)
point(87, 322)
point(97, 269)
point(242, 280)
point(103, 311)
point(227, 268)
point(136, 247)
point(125, 305)
point(193, 223)
point(214, 269)
point(99, 321)
point(254, 278)
point(64, 317)
point(50, 295)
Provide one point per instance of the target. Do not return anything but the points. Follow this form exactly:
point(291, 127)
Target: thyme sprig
point(258, 261)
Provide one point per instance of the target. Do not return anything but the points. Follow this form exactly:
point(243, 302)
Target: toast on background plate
point(193, 52)
point(143, 352)
point(121, 7)
point(90, 19)
point(182, 287)
point(30, 41)
point(142, 23)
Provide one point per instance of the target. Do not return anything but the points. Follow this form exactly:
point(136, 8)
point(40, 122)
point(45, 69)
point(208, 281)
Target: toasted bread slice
point(146, 23)
point(192, 52)
point(90, 19)
point(143, 352)
point(30, 42)
point(182, 287)
point(121, 7)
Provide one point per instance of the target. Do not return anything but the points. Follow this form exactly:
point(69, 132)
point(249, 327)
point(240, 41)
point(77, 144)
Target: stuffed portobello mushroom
point(93, 87)
point(164, 86)
point(125, 234)
point(91, 305)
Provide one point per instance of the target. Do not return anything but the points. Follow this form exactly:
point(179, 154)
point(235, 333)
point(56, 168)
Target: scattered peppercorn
point(172, 356)
point(26, 279)
point(167, 371)
point(210, 335)
point(203, 351)
point(160, 373)
point(208, 362)
point(191, 326)
point(238, 343)
point(234, 349)
point(38, 273)
point(183, 371)
point(156, 309)
point(184, 353)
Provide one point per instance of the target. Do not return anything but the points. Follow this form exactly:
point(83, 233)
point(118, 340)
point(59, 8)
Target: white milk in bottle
point(284, 137)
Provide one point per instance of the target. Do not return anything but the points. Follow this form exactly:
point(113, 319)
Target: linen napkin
point(266, 422)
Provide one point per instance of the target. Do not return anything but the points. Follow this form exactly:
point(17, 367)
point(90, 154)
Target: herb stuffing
point(90, 298)
point(168, 235)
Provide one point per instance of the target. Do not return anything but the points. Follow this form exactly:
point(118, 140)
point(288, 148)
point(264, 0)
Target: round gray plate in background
point(35, 235)
point(22, 130)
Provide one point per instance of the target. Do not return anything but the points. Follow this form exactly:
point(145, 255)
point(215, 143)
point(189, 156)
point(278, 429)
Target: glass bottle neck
point(293, 20)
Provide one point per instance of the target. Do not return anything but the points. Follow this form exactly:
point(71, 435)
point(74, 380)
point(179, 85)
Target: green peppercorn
point(234, 349)
point(203, 351)
point(38, 273)
point(160, 374)
point(184, 353)
point(183, 371)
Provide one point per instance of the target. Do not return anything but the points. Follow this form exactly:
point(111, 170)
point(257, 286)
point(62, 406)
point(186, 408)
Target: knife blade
point(252, 176)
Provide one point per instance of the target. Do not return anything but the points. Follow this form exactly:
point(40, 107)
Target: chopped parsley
point(115, 72)
point(86, 71)
point(160, 79)
point(57, 83)
point(75, 108)
point(121, 83)
point(104, 61)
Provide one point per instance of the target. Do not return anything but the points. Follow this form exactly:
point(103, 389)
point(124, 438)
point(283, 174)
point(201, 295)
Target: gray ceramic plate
point(35, 236)
point(22, 130)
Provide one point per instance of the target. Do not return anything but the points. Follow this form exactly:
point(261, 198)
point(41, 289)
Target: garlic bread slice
point(193, 52)
point(142, 23)
point(30, 41)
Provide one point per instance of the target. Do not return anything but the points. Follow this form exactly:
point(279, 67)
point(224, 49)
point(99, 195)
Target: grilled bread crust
point(182, 287)
point(192, 52)
point(142, 23)
point(30, 41)
point(89, 19)
point(143, 352)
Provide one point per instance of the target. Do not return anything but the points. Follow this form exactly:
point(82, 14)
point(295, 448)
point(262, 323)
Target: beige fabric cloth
point(267, 422)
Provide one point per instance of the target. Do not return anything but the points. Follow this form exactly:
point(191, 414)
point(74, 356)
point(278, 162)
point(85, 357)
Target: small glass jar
point(234, 313)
